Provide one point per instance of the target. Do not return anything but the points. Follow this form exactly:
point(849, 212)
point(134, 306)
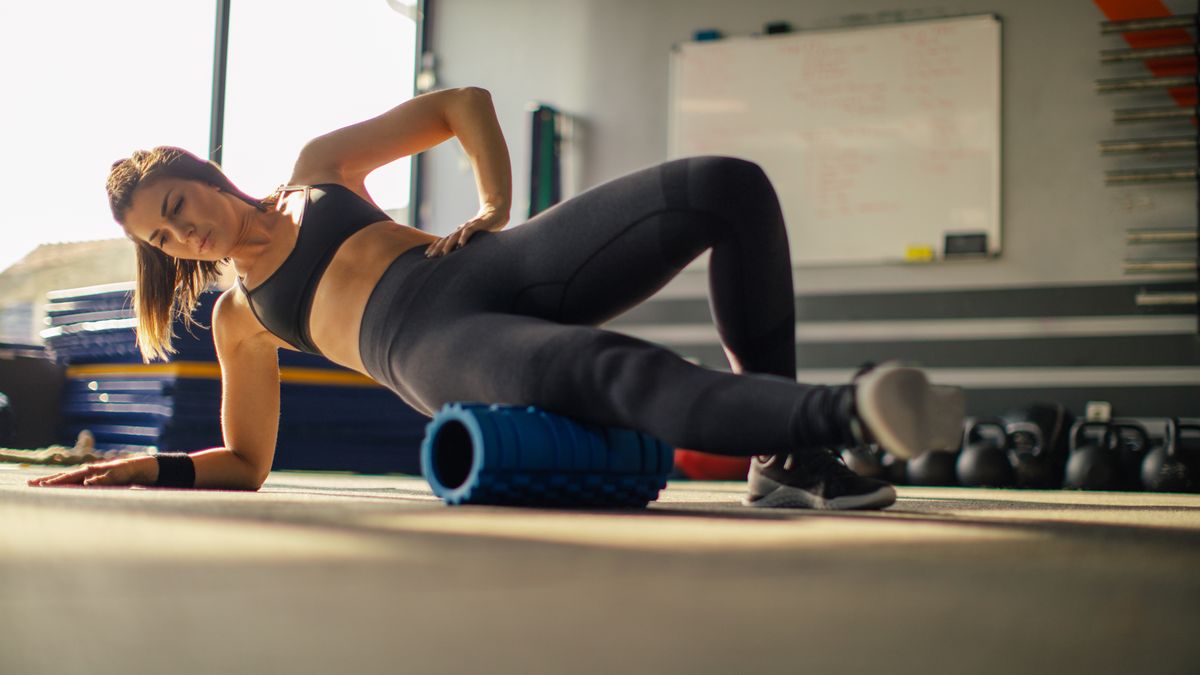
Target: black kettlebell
point(934, 467)
point(6, 421)
point(1131, 442)
point(1054, 422)
point(1032, 465)
point(1097, 465)
point(1163, 469)
point(983, 461)
point(1187, 449)
point(865, 461)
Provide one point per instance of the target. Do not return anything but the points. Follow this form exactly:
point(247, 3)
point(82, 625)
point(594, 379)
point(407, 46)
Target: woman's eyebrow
point(163, 211)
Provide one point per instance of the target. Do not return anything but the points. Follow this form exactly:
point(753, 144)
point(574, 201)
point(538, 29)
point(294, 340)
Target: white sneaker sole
point(785, 497)
point(906, 414)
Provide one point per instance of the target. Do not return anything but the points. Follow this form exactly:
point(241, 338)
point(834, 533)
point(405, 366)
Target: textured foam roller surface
point(475, 453)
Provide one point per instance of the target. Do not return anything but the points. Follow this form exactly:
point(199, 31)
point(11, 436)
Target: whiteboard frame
point(994, 231)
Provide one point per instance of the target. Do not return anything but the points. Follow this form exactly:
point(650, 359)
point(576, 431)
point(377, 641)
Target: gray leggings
point(511, 317)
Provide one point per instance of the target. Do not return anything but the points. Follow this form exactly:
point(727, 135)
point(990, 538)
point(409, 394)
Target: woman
point(501, 316)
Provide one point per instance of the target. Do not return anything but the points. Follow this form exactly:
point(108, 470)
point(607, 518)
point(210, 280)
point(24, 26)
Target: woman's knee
point(721, 172)
point(732, 187)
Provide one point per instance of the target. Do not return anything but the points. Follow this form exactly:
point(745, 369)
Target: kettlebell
point(1131, 442)
point(1187, 450)
point(934, 467)
point(6, 421)
point(984, 459)
point(1030, 459)
point(1053, 421)
point(1163, 469)
point(1096, 465)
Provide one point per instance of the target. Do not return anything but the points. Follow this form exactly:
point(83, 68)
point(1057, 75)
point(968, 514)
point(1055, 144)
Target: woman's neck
point(260, 235)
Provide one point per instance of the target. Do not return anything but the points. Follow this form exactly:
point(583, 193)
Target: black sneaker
point(813, 479)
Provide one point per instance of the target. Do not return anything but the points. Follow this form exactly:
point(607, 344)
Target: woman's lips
point(204, 243)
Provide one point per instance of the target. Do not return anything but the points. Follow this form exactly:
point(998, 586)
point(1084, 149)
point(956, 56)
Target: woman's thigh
point(487, 357)
point(604, 251)
point(593, 376)
point(590, 374)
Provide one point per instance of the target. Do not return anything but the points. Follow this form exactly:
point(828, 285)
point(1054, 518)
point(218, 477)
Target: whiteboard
point(880, 141)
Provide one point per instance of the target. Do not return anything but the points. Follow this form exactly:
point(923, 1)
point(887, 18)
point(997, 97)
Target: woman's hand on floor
point(489, 219)
point(127, 471)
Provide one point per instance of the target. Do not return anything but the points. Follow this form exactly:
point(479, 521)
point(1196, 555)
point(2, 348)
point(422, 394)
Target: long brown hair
point(166, 287)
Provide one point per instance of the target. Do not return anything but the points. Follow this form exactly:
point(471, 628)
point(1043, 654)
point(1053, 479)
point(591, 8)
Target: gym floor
point(325, 572)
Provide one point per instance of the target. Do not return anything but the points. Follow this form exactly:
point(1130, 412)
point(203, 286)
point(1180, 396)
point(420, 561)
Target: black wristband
point(175, 469)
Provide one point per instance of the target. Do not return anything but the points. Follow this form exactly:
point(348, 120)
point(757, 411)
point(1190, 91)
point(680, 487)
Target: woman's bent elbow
point(257, 481)
point(476, 92)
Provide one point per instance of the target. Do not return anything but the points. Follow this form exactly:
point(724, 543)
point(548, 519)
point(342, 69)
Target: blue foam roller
point(476, 453)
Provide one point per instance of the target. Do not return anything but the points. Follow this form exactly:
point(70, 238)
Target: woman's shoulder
point(315, 176)
point(233, 320)
point(232, 312)
point(329, 176)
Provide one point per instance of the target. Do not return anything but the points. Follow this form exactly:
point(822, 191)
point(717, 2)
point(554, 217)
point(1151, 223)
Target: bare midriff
point(344, 289)
point(346, 284)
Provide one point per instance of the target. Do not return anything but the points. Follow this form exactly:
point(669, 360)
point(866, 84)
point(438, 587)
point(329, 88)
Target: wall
point(606, 61)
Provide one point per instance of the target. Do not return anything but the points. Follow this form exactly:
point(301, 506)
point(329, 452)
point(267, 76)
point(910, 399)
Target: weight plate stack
point(475, 453)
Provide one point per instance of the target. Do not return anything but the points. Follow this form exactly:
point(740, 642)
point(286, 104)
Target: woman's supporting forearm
point(218, 468)
point(224, 469)
point(473, 120)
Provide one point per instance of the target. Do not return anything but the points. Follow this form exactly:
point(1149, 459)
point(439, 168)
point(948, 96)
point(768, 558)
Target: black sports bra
point(283, 302)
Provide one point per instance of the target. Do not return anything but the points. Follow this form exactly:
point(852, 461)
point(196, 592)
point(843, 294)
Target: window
point(85, 84)
point(301, 68)
point(88, 83)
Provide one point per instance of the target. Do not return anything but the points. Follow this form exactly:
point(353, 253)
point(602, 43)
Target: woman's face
point(184, 218)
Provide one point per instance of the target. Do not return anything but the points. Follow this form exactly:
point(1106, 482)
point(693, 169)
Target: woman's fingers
point(468, 230)
point(64, 478)
point(106, 473)
point(448, 243)
point(488, 221)
point(441, 246)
